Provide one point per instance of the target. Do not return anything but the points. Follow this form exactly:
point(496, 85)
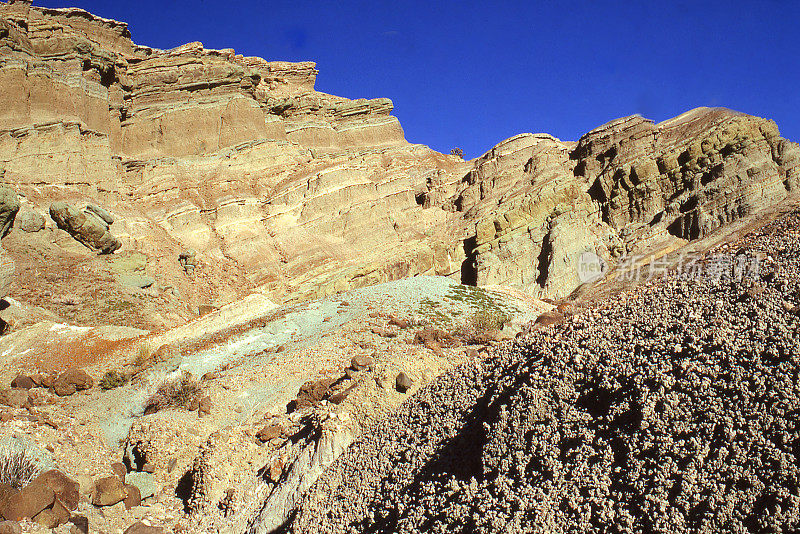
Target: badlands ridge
point(210, 221)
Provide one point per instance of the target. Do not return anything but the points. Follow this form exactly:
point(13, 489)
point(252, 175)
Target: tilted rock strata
point(301, 194)
point(622, 188)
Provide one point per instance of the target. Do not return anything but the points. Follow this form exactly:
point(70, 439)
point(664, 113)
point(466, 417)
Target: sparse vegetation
point(144, 356)
point(457, 152)
point(113, 379)
point(18, 466)
point(182, 392)
point(488, 320)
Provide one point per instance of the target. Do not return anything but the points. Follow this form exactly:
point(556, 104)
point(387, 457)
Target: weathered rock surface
point(85, 227)
point(298, 194)
point(108, 491)
point(31, 221)
point(9, 206)
point(670, 408)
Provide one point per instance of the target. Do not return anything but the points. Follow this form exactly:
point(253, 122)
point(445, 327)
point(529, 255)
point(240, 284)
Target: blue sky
point(471, 74)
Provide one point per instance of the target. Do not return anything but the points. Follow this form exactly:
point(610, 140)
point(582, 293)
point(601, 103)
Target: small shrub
point(488, 320)
point(113, 379)
point(457, 152)
point(144, 355)
point(174, 393)
point(18, 466)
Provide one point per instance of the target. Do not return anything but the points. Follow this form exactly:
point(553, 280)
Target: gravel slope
point(673, 408)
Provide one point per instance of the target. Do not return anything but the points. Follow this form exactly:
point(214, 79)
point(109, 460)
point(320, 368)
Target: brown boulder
point(53, 517)
point(133, 496)
point(80, 524)
point(90, 231)
point(119, 469)
point(78, 377)
point(396, 321)
point(16, 398)
point(108, 491)
point(204, 408)
point(63, 389)
point(403, 382)
point(269, 432)
point(142, 528)
point(42, 380)
point(361, 362)
point(550, 318)
point(31, 500)
point(22, 382)
point(383, 332)
point(6, 492)
point(67, 490)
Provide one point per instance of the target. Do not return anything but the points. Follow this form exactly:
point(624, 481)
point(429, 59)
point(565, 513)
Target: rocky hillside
point(214, 278)
point(272, 186)
point(671, 408)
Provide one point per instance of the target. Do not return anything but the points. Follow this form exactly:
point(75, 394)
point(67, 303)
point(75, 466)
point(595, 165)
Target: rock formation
point(298, 194)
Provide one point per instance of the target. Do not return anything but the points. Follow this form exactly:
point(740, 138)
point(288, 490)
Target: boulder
point(100, 213)
point(22, 382)
point(6, 492)
point(81, 524)
point(119, 469)
point(550, 318)
point(269, 432)
point(204, 408)
point(188, 261)
point(108, 491)
point(76, 377)
point(31, 500)
point(63, 388)
point(90, 231)
point(133, 497)
point(403, 382)
point(30, 221)
point(361, 362)
point(143, 528)
point(9, 206)
point(66, 489)
point(16, 398)
point(54, 516)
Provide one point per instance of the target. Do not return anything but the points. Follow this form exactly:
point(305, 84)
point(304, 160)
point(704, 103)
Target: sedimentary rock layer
point(286, 190)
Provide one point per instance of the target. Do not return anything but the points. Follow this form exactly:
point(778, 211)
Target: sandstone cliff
point(285, 190)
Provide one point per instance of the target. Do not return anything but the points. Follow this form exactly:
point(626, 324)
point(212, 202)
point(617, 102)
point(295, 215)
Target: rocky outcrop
point(9, 207)
point(85, 226)
point(629, 186)
point(291, 192)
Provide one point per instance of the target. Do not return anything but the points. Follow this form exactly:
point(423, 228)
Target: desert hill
point(225, 294)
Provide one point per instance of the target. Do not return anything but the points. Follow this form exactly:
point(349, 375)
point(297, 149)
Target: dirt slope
point(672, 409)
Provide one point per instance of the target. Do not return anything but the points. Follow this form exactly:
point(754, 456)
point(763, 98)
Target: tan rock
point(108, 491)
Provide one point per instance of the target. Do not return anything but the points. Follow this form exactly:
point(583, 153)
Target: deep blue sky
point(471, 74)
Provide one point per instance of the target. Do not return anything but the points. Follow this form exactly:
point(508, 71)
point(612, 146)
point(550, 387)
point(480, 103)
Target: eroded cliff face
point(277, 187)
point(285, 190)
point(627, 187)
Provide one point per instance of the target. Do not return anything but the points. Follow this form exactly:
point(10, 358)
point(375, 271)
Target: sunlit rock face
point(297, 193)
point(627, 186)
